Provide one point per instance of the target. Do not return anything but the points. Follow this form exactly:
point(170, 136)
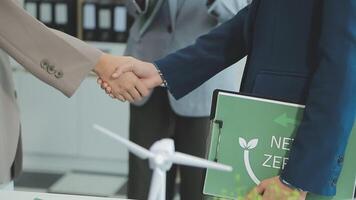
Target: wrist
point(289, 185)
point(100, 65)
point(160, 80)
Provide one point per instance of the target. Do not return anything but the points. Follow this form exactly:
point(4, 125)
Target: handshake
point(126, 78)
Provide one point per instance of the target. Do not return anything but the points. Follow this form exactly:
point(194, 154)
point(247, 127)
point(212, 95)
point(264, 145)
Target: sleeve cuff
point(290, 185)
point(164, 84)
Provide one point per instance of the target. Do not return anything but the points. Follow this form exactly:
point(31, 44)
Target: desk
point(5, 195)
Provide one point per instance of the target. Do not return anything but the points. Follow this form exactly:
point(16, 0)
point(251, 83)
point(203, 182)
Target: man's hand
point(145, 71)
point(107, 65)
point(274, 189)
point(126, 87)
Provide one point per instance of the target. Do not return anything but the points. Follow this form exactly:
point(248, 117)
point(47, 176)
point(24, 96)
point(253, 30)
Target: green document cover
point(254, 135)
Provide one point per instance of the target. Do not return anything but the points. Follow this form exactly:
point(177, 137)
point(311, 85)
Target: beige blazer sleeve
point(54, 57)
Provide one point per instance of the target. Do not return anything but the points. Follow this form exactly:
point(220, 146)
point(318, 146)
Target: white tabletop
point(44, 196)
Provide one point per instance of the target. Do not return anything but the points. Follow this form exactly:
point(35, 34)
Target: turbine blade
point(132, 147)
point(156, 185)
point(188, 160)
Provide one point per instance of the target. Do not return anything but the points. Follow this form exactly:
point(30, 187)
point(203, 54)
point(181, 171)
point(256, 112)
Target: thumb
point(127, 67)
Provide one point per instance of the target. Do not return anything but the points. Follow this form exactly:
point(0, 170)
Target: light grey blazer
point(54, 57)
point(189, 19)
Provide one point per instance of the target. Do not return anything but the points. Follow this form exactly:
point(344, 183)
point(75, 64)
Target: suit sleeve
point(54, 57)
point(190, 67)
point(316, 158)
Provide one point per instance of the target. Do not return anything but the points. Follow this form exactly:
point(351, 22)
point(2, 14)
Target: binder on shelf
point(65, 16)
point(31, 6)
point(46, 13)
point(89, 20)
point(122, 23)
point(105, 21)
point(56, 14)
point(254, 135)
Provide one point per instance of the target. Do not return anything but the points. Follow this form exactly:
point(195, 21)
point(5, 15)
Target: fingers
point(270, 194)
point(261, 187)
point(108, 90)
point(253, 195)
point(99, 81)
point(127, 67)
point(132, 86)
point(142, 88)
point(104, 85)
point(127, 87)
point(134, 94)
point(117, 96)
point(134, 91)
point(127, 96)
point(121, 98)
point(257, 192)
point(124, 89)
point(274, 189)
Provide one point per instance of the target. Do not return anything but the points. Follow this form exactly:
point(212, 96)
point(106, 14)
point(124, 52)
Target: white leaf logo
point(243, 143)
point(247, 147)
point(252, 144)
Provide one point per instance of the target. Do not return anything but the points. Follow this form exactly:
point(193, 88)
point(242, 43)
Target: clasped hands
point(126, 78)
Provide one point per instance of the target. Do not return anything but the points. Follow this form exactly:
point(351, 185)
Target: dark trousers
point(156, 120)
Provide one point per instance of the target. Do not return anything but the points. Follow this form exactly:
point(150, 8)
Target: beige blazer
point(54, 57)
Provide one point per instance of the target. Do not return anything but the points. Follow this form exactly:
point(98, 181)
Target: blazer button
point(334, 182)
point(340, 160)
point(59, 74)
point(51, 69)
point(44, 64)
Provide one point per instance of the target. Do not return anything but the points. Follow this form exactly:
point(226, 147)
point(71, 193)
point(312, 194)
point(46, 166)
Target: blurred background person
point(162, 27)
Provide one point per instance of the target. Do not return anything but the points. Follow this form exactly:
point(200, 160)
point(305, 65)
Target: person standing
point(300, 51)
point(54, 57)
point(162, 27)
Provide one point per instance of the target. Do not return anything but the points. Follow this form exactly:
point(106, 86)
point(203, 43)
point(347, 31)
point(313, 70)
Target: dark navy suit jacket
point(301, 51)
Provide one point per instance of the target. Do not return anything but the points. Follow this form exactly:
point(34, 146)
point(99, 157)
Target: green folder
point(254, 135)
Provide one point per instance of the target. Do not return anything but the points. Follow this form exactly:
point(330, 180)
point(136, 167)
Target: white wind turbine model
point(161, 157)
